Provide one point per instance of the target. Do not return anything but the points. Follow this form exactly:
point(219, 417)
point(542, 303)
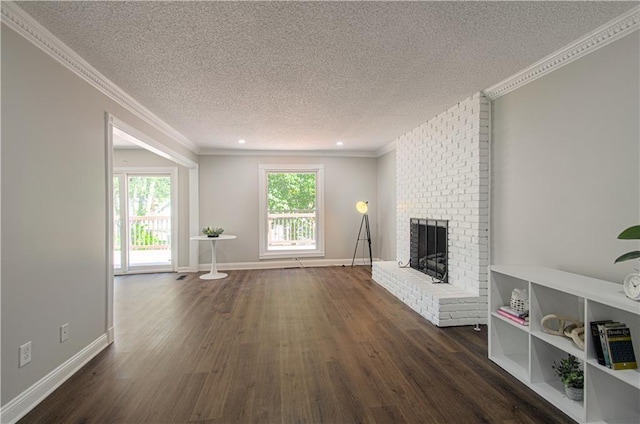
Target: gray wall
point(140, 158)
point(229, 199)
point(54, 267)
point(565, 174)
point(386, 191)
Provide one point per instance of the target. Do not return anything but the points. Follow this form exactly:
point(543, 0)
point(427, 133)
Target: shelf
point(528, 353)
point(561, 343)
point(520, 327)
point(609, 399)
point(625, 420)
point(631, 377)
point(509, 346)
point(546, 301)
point(515, 364)
point(602, 291)
point(554, 394)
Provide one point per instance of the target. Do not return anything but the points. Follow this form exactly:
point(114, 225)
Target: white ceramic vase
point(573, 393)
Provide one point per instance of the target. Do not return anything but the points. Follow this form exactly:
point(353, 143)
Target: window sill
point(289, 254)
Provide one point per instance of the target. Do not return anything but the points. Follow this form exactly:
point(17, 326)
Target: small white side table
point(214, 274)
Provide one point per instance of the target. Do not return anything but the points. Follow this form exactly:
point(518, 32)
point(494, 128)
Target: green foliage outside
point(148, 195)
point(291, 192)
point(143, 239)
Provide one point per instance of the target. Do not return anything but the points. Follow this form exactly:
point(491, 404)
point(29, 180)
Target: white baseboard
point(30, 398)
point(278, 264)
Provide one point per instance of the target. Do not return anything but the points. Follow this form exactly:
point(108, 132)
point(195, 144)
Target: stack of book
point(613, 345)
point(521, 318)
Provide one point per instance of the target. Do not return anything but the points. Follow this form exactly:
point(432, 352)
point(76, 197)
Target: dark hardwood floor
point(312, 345)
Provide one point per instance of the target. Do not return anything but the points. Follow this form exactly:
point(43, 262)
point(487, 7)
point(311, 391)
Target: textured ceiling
point(303, 75)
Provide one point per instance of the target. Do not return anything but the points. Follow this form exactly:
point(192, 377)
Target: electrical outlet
point(64, 332)
point(25, 354)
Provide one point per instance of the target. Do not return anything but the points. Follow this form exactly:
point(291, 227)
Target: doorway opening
point(145, 159)
point(143, 215)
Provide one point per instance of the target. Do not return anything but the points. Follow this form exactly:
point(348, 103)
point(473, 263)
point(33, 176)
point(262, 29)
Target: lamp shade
point(362, 207)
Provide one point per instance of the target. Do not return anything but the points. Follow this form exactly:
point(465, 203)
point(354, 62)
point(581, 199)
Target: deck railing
point(146, 232)
point(291, 228)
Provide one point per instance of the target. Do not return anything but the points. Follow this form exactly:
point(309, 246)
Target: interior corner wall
point(54, 239)
point(565, 165)
point(229, 199)
point(141, 158)
point(443, 173)
point(385, 237)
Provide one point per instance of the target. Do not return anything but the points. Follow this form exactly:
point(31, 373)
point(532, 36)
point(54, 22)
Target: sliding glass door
point(143, 222)
point(119, 236)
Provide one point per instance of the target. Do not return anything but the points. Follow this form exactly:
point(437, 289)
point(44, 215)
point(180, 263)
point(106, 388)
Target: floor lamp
point(363, 207)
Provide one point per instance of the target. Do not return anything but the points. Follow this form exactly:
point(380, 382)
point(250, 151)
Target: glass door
point(143, 227)
point(119, 235)
point(149, 217)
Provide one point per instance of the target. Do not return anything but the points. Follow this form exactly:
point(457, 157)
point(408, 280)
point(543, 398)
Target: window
point(291, 211)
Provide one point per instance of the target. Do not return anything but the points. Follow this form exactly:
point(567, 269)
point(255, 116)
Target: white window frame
point(263, 210)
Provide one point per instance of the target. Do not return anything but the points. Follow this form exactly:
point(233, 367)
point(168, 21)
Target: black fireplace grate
point(428, 247)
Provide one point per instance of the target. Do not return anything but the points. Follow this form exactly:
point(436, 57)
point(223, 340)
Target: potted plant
point(212, 232)
point(572, 377)
point(631, 233)
point(631, 284)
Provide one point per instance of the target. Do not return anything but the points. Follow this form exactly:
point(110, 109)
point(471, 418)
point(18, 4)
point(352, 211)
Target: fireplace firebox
point(428, 247)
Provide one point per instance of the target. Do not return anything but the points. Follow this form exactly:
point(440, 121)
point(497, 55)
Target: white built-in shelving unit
point(527, 353)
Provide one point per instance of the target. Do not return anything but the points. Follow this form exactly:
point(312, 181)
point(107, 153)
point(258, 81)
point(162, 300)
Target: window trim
point(263, 210)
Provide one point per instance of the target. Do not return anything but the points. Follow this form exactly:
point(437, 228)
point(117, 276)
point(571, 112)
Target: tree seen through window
point(291, 204)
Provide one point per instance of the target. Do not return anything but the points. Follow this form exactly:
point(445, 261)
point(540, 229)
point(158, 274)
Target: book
point(519, 320)
point(602, 332)
point(597, 344)
point(514, 313)
point(620, 348)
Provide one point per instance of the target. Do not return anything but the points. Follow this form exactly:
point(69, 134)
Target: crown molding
point(386, 149)
point(623, 25)
point(20, 21)
point(327, 153)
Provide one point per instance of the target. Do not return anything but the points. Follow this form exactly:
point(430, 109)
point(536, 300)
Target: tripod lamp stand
point(363, 207)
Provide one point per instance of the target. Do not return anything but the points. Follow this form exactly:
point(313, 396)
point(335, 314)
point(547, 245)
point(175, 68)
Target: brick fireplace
point(443, 174)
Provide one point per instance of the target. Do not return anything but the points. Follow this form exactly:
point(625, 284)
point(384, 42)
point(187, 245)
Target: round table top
point(220, 237)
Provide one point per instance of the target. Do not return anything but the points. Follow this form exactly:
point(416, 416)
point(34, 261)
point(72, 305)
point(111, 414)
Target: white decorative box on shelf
point(527, 352)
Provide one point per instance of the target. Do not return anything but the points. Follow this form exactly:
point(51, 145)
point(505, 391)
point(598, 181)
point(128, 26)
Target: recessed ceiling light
point(241, 141)
point(339, 143)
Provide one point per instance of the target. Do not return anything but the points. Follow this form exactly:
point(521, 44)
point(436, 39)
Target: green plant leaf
point(631, 233)
point(628, 256)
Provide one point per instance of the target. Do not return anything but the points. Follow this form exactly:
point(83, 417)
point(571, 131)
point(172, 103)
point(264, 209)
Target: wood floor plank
point(239, 401)
point(351, 407)
point(299, 345)
point(267, 402)
point(387, 414)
